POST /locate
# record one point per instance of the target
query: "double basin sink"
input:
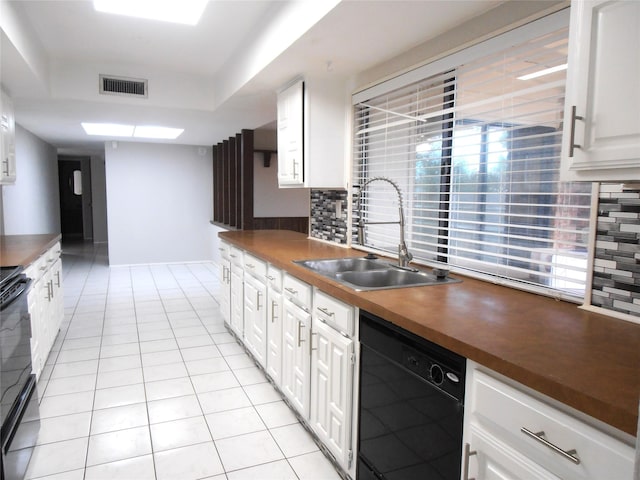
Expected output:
(364, 274)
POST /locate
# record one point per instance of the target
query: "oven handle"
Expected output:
(26, 284)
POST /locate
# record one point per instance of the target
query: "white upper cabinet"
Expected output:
(312, 121)
(7, 141)
(290, 136)
(602, 107)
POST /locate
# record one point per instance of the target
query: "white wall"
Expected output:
(159, 202)
(32, 204)
(268, 199)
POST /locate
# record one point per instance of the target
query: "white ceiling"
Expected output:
(199, 77)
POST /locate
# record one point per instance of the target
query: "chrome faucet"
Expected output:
(404, 257)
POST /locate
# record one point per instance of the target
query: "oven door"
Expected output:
(19, 405)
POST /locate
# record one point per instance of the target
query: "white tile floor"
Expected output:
(144, 382)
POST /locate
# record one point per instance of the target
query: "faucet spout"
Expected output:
(404, 256)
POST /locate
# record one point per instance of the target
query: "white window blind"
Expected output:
(476, 152)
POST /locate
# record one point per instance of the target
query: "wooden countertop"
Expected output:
(588, 361)
(24, 249)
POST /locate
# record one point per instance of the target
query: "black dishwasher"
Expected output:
(411, 405)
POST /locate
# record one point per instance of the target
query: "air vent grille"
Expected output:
(130, 87)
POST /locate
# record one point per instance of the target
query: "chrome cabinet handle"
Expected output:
(291, 291)
(295, 175)
(539, 436)
(224, 275)
(270, 278)
(274, 305)
(258, 300)
(311, 342)
(572, 133)
(467, 454)
(251, 265)
(325, 311)
(58, 278)
(300, 340)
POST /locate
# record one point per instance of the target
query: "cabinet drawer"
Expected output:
(236, 256)
(297, 291)
(225, 250)
(517, 418)
(333, 312)
(55, 251)
(255, 267)
(274, 278)
(52, 254)
(38, 268)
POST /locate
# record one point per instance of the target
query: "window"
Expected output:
(475, 149)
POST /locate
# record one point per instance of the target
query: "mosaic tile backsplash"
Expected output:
(616, 269)
(329, 215)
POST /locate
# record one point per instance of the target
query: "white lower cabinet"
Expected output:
(274, 325)
(236, 292)
(46, 305)
(224, 277)
(332, 365)
(255, 318)
(512, 433)
(305, 340)
(296, 361)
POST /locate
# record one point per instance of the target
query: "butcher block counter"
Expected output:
(588, 361)
(22, 250)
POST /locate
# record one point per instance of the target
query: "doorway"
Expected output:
(74, 175)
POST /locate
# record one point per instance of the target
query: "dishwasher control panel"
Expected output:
(435, 371)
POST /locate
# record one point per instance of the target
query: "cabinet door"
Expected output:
(332, 389)
(237, 300)
(603, 84)
(57, 303)
(487, 458)
(7, 140)
(224, 276)
(295, 356)
(45, 308)
(255, 318)
(274, 335)
(35, 303)
(290, 135)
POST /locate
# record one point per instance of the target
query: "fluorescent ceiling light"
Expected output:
(541, 73)
(187, 12)
(140, 131)
(108, 129)
(147, 131)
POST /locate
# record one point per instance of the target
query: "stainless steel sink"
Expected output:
(363, 274)
(332, 266)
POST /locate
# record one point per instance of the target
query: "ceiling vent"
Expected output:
(129, 87)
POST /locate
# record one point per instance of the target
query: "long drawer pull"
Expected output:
(270, 278)
(300, 340)
(258, 300)
(325, 311)
(539, 436)
(250, 265)
(274, 305)
(292, 291)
